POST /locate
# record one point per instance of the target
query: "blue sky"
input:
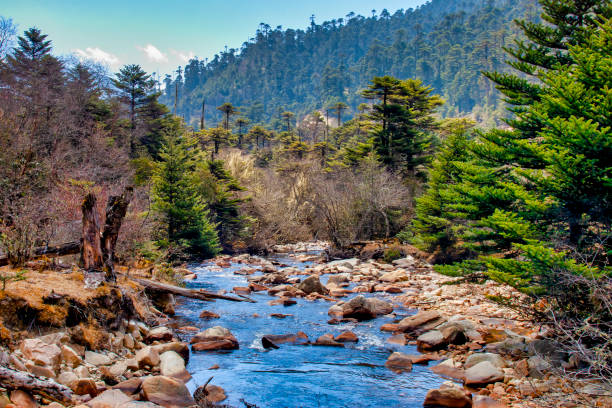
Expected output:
(160, 35)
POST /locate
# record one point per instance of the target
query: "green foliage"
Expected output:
(176, 200)
(165, 272)
(391, 254)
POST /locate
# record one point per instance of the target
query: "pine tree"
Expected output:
(181, 208)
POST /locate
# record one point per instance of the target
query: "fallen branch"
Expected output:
(68, 248)
(13, 380)
(200, 294)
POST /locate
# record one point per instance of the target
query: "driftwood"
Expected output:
(13, 379)
(190, 293)
(68, 248)
(115, 213)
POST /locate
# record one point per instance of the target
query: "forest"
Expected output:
(473, 135)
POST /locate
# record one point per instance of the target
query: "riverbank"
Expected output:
(490, 355)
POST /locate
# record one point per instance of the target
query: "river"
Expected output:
(297, 375)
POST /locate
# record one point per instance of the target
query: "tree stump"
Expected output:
(116, 209)
(91, 249)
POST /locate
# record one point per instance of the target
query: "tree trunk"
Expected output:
(200, 294)
(91, 250)
(115, 213)
(13, 380)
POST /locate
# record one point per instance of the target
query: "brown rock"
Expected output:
(241, 290)
(389, 327)
(40, 371)
(181, 348)
(312, 284)
(327, 340)
(22, 399)
(448, 396)
(206, 314)
(483, 401)
(129, 387)
(255, 287)
(167, 392)
(300, 338)
(399, 362)
(282, 301)
(109, 399)
(358, 308)
(215, 394)
(41, 353)
(421, 321)
(448, 371)
(70, 357)
(84, 386)
(482, 374)
(147, 356)
(279, 315)
(161, 333)
(173, 365)
(347, 337)
(214, 345)
(397, 339)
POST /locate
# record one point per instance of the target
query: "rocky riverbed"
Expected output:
(343, 333)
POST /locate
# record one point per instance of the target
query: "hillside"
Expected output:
(445, 43)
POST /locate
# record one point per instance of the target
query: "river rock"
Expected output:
(449, 368)
(267, 343)
(179, 347)
(380, 306)
(215, 394)
(129, 387)
(161, 333)
(338, 279)
(432, 340)
(406, 262)
(312, 284)
(214, 338)
(399, 362)
(147, 356)
(71, 357)
(448, 396)
(347, 337)
(85, 386)
(97, 359)
(109, 399)
(173, 365)
(299, 338)
(492, 358)
(206, 314)
(41, 353)
(395, 276)
(167, 392)
(359, 308)
(67, 378)
(422, 321)
(484, 401)
(241, 290)
(482, 374)
(327, 340)
(40, 371)
(22, 399)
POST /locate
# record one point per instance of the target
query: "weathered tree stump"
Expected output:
(91, 249)
(115, 213)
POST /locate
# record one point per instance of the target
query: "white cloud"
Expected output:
(153, 53)
(184, 56)
(97, 55)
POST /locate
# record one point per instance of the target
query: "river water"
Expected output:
(297, 375)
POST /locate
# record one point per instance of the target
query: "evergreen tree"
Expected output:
(181, 208)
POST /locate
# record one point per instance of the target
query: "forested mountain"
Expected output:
(445, 43)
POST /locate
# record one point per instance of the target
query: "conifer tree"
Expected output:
(181, 208)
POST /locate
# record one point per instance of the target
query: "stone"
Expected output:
(482, 374)
(347, 337)
(161, 333)
(206, 314)
(97, 359)
(241, 290)
(512, 346)
(118, 369)
(399, 362)
(338, 279)
(538, 366)
(215, 394)
(82, 371)
(214, 338)
(215, 345)
(67, 378)
(406, 262)
(450, 369)
(453, 333)
(380, 306)
(299, 338)
(398, 339)
(312, 284)
(283, 301)
(432, 340)
(129, 387)
(109, 399)
(40, 371)
(255, 287)
(85, 386)
(476, 358)
(267, 343)
(448, 396)
(41, 353)
(389, 327)
(70, 357)
(395, 276)
(359, 308)
(167, 392)
(181, 348)
(431, 318)
(173, 365)
(484, 401)
(22, 399)
(327, 340)
(147, 356)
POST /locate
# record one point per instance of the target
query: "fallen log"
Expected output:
(200, 294)
(69, 248)
(13, 380)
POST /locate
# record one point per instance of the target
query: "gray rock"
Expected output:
(482, 374)
(492, 358)
(97, 359)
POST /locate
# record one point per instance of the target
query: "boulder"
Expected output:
(70, 357)
(482, 374)
(484, 401)
(399, 362)
(215, 394)
(432, 340)
(40, 371)
(449, 397)
(206, 314)
(129, 387)
(109, 399)
(147, 356)
(41, 353)
(267, 343)
(173, 365)
(395, 276)
(67, 378)
(406, 262)
(312, 284)
(167, 392)
(215, 345)
(214, 338)
(97, 359)
(398, 339)
(299, 338)
(492, 358)
(85, 386)
(380, 306)
(422, 321)
(347, 337)
(22, 399)
(161, 333)
(538, 366)
(359, 308)
(327, 340)
(338, 279)
(450, 369)
(181, 348)
(118, 369)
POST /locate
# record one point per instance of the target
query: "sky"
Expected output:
(161, 35)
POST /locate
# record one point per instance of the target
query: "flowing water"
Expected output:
(297, 375)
